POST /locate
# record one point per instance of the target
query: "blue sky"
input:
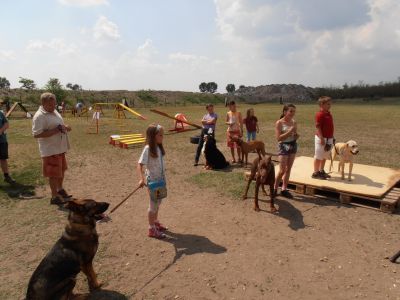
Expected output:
(176, 44)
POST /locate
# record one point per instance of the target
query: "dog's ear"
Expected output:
(72, 205)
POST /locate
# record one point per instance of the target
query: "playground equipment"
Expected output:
(181, 123)
(21, 107)
(371, 186)
(127, 140)
(119, 110)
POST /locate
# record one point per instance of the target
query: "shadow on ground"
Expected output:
(19, 191)
(186, 244)
(106, 295)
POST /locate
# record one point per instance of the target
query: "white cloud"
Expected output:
(6, 55)
(58, 45)
(104, 29)
(83, 3)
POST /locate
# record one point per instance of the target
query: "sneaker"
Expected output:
(160, 227)
(57, 200)
(9, 180)
(195, 164)
(155, 233)
(64, 194)
(317, 175)
(286, 194)
(324, 174)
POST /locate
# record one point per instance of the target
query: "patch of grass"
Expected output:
(147, 96)
(226, 183)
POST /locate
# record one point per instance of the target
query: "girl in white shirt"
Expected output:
(151, 168)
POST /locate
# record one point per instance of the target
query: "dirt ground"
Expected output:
(218, 247)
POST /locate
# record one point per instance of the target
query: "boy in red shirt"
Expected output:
(323, 137)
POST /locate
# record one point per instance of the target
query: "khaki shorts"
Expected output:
(320, 152)
(54, 166)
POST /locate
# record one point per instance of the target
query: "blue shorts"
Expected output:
(251, 135)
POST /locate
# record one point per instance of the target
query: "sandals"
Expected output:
(64, 194)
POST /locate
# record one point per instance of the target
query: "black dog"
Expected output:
(214, 158)
(55, 277)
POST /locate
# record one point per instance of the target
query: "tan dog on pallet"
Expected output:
(345, 151)
(248, 147)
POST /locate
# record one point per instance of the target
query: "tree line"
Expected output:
(362, 90)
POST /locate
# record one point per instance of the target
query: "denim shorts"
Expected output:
(287, 148)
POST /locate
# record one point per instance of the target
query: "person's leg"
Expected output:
(4, 166)
(248, 136)
(282, 167)
(54, 183)
(322, 165)
(239, 153)
(253, 135)
(286, 175)
(233, 154)
(199, 147)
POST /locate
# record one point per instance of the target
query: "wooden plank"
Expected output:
(369, 181)
(345, 198)
(310, 191)
(300, 188)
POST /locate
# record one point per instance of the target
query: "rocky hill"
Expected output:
(275, 92)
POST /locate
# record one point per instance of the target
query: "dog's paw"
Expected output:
(96, 286)
(274, 210)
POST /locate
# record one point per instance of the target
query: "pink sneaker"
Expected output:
(160, 227)
(155, 233)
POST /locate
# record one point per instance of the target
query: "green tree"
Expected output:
(54, 86)
(212, 87)
(74, 87)
(4, 83)
(242, 86)
(203, 87)
(230, 88)
(27, 83)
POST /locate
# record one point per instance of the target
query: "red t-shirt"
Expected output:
(324, 121)
(251, 123)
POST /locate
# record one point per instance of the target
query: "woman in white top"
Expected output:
(286, 135)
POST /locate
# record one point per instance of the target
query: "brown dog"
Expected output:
(248, 147)
(55, 277)
(263, 172)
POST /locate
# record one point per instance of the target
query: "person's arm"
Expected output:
(140, 171)
(258, 129)
(4, 128)
(318, 120)
(47, 133)
(241, 124)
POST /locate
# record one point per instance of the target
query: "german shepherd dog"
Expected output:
(263, 172)
(55, 277)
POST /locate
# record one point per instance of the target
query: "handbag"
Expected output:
(158, 188)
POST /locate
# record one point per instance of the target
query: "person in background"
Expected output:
(51, 133)
(235, 130)
(209, 121)
(251, 122)
(4, 148)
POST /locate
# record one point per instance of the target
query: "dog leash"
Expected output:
(106, 217)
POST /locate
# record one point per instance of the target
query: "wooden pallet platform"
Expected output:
(372, 187)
